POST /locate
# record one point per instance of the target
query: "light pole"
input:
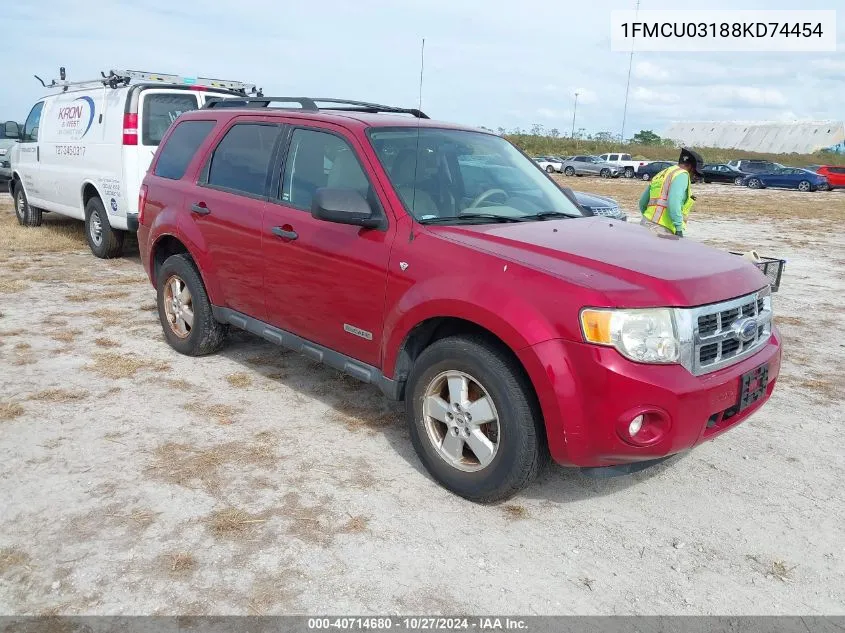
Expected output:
(574, 110)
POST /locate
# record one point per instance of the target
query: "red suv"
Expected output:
(835, 175)
(443, 265)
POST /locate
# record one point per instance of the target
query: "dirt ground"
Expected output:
(134, 480)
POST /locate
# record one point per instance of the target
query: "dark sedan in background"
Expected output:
(601, 205)
(723, 173)
(788, 178)
(647, 172)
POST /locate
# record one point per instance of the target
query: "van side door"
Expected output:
(28, 159)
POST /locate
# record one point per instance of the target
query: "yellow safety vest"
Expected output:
(658, 199)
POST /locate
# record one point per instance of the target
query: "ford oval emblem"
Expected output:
(745, 329)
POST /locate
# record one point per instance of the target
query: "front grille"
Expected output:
(718, 339)
(606, 211)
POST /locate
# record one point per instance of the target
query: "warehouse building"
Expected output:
(800, 137)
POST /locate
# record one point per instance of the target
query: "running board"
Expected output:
(355, 368)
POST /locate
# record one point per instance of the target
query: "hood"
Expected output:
(627, 263)
(592, 200)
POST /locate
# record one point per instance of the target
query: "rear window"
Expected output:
(176, 155)
(160, 111)
(836, 170)
(242, 158)
(626, 157)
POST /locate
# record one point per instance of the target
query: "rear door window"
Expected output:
(626, 157)
(241, 160)
(160, 110)
(176, 155)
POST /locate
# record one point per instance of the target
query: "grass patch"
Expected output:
(10, 410)
(240, 380)
(181, 562)
(8, 286)
(515, 512)
(364, 419)
(56, 235)
(109, 316)
(11, 558)
(355, 525)
(66, 336)
(269, 360)
(59, 395)
(233, 523)
(105, 342)
(111, 365)
(22, 346)
(223, 413)
(788, 320)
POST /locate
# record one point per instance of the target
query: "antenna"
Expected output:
(417, 151)
(628, 85)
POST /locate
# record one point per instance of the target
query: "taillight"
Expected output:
(198, 88)
(142, 201)
(130, 129)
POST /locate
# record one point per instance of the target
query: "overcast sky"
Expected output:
(488, 62)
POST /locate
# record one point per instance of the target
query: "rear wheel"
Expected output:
(25, 214)
(646, 176)
(629, 172)
(804, 185)
(755, 183)
(185, 310)
(473, 419)
(569, 171)
(104, 241)
(738, 181)
(550, 169)
(605, 173)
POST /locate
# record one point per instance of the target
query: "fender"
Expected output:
(84, 184)
(479, 302)
(182, 227)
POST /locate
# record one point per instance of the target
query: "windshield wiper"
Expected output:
(548, 215)
(471, 217)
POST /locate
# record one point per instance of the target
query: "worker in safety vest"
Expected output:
(666, 202)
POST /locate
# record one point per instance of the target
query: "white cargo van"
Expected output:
(84, 151)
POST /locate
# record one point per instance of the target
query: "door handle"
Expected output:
(200, 208)
(37, 153)
(288, 235)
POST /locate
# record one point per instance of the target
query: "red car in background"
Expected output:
(835, 175)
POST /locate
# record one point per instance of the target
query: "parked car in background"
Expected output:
(601, 205)
(723, 173)
(814, 168)
(9, 135)
(628, 167)
(787, 178)
(549, 163)
(835, 175)
(590, 166)
(647, 172)
(753, 166)
(85, 148)
(505, 316)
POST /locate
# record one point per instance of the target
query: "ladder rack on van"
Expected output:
(120, 78)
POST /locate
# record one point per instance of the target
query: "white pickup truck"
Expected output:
(626, 164)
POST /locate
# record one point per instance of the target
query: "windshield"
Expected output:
(455, 174)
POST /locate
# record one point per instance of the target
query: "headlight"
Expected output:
(2, 151)
(645, 336)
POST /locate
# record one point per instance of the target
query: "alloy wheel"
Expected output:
(178, 306)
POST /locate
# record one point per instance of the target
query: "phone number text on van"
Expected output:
(70, 150)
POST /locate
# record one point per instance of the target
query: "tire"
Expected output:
(203, 334)
(605, 173)
(569, 171)
(104, 241)
(517, 450)
(805, 186)
(550, 169)
(25, 214)
(755, 183)
(738, 181)
(646, 176)
(629, 172)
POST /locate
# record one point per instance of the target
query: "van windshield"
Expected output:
(447, 176)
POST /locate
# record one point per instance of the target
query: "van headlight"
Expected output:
(643, 335)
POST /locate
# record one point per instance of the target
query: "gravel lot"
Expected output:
(137, 481)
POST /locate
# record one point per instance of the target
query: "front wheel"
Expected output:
(569, 171)
(25, 214)
(646, 176)
(604, 173)
(104, 241)
(473, 419)
(185, 310)
(550, 169)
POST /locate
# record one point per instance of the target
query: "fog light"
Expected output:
(635, 426)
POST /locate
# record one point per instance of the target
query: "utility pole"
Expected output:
(628, 85)
(574, 110)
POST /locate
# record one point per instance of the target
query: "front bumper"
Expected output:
(589, 394)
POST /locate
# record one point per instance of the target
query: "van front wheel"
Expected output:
(104, 241)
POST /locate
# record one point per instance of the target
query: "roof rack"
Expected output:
(311, 104)
(120, 78)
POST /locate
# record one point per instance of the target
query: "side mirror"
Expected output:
(12, 130)
(343, 206)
